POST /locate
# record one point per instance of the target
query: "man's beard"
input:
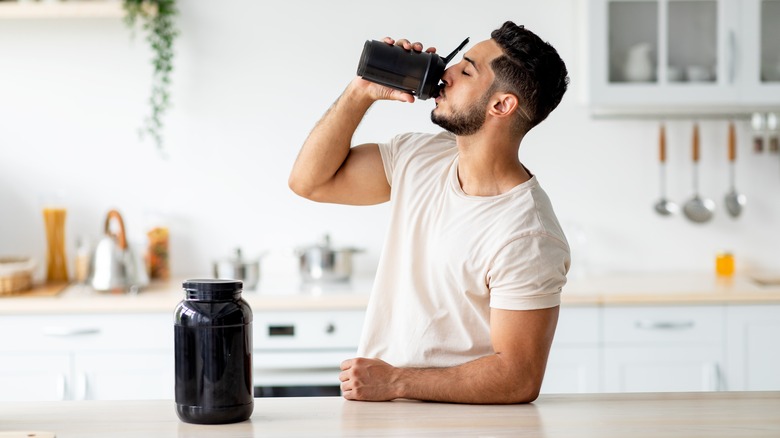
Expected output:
(466, 122)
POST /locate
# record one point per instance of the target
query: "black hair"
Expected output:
(532, 70)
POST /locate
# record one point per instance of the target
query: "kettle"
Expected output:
(114, 266)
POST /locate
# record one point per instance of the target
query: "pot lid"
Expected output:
(238, 258)
(325, 245)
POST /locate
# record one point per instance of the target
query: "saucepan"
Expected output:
(324, 263)
(238, 268)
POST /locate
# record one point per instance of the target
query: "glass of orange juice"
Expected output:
(724, 264)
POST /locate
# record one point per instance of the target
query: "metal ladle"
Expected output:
(698, 209)
(664, 207)
(735, 201)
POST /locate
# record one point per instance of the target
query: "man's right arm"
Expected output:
(327, 168)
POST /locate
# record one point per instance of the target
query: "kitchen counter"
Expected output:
(280, 294)
(716, 414)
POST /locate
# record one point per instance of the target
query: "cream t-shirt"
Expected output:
(449, 257)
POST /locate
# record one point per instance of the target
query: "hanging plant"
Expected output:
(157, 17)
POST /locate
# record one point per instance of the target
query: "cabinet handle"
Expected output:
(64, 332)
(82, 394)
(62, 386)
(733, 55)
(664, 325)
(712, 377)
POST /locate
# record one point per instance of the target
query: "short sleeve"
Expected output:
(529, 273)
(392, 153)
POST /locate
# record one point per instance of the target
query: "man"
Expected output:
(466, 295)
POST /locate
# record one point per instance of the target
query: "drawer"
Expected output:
(307, 330)
(87, 332)
(664, 324)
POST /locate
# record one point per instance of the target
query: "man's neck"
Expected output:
(489, 166)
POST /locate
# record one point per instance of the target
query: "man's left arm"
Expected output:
(513, 374)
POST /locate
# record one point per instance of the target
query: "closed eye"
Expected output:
(465, 74)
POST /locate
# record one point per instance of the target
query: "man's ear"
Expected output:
(504, 104)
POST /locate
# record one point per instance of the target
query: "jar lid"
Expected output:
(212, 289)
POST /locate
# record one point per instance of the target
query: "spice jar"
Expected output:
(213, 352)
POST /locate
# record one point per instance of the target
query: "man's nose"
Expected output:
(446, 76)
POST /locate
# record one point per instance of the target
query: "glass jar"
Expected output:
(213, 351)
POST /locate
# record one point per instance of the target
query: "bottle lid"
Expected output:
(212, 289)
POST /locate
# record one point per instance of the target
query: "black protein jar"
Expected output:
(213, 345)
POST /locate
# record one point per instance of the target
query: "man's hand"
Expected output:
(369, 380)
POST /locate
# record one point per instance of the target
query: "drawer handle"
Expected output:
(664, 325)
(64, 332)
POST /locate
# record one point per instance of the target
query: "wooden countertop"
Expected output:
(668, 415)
(291, 294)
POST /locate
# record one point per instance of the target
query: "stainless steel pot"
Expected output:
(238, 268)
(323, 263)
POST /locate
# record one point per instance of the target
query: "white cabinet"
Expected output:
(574, 362)
(34, 376)
(673, 56)
(753, 347)
(124, 375)
(664, 348)
(86, 357)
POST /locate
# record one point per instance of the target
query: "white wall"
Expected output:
(251, 80)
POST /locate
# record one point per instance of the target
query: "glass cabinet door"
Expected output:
(760, 54)
(770, 41)
(692, 42)
(632, 48)
(663, 41)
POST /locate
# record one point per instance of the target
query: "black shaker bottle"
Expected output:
(213, 348)
(416, 73)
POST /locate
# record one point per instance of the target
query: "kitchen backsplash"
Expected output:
(250, 81)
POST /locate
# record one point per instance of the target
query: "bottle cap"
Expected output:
(212, 289)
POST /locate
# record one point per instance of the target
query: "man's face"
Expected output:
(462, 105)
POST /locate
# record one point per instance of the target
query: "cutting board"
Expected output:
(41, 290)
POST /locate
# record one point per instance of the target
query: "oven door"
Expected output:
(298, 373)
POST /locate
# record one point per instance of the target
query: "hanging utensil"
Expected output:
(664, 207)
(698, 209)
(735, 201)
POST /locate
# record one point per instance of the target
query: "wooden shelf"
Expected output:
(61, 9)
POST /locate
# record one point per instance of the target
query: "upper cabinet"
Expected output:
(683, 56)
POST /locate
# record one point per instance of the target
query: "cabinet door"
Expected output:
(753, 347)
(573, 365)
(759, 52)
(34, 377)
(663, 369)
(124, 375)
(662, 55)
(572, 370)
(663, 348)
